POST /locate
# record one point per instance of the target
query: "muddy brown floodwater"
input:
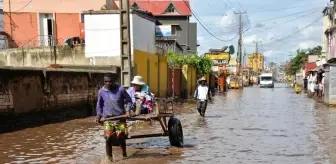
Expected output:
(250, 126)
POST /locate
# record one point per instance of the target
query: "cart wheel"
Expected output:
(175, 132)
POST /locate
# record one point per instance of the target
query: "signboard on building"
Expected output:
(163, 30)
(219, 59)
(220, 62)
(220, 56)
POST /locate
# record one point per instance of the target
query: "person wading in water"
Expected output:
(111, 103)
(202, 95)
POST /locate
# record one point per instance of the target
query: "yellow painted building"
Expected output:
(255, 61)
(153, 69)
(189, 81)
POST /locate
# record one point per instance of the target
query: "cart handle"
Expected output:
(113, 118)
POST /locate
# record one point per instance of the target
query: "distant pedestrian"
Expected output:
(322, 85)
(202, 95)
(305, 83)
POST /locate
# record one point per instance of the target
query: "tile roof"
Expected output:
(158, 7)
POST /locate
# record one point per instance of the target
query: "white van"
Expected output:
(266, 80)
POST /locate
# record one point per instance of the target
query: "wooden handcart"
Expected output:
(163, 109)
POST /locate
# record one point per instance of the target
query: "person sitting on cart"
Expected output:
(111, 103)
(202, 94)
(141, 91)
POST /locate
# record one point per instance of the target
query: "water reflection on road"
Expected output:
(250, 126)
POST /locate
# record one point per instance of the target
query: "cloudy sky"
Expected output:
(280, 26)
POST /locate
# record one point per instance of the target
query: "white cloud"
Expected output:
(268, 53)
(270, 36)
(250, 39)
(228, 20)
(307, 44)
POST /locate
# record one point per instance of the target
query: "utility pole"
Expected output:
(257, 55)
(125, 44)
(240, 43)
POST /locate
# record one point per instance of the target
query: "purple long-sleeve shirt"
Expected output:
(112, 103)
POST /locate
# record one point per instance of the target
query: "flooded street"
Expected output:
(250, 126)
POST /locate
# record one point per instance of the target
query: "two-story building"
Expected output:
(174, 15)
(46, 22)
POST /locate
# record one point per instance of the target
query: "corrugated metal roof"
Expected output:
(310, 66)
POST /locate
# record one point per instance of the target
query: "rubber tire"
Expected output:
(175, 132)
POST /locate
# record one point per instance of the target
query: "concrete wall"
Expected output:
(44, 56)
(329, 86)
(332, 46)
(326, 24)
(312, 58)
(30, 96)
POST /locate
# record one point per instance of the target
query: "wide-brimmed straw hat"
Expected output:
(202, 79)
(138, 80)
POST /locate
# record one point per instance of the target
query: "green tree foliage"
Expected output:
(201, 63)
(301, 59)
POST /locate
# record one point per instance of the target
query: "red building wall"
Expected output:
(24, 27)
(67, 25)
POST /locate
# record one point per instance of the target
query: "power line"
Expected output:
(312, 9)
(293, 14)
(290, 20)
(296, 31)
(205, 28)
(281, 9)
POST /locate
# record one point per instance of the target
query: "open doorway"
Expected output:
(50, 31)
(46, 29)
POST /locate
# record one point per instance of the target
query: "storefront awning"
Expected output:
(310, 67)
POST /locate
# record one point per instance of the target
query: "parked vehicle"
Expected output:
(266, 80)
